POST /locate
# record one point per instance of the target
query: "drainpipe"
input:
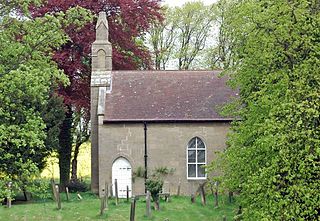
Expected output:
(145, 157)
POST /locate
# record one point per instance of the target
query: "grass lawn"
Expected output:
(179, 208)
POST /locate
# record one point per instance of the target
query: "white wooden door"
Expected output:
(121, 170)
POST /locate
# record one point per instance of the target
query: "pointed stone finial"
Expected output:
(102, 28)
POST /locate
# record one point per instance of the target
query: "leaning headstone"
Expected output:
(148, 204)
(133, 208)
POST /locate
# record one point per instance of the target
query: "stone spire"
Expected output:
(100, 85)
(101, 48)
(102, 28)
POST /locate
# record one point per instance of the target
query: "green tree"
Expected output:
(219, 55)
(27, 76)
(195, 22)
(162, 38)
(273, 154)
(182, 35)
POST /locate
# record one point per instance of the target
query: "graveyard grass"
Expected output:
(179, 208)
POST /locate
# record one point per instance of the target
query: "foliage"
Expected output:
(40, 189)
(154, 183)
(77, 186)
(273, 155)
(219, 55)
(27, 74)
(162, 37)
(183, 35)
(127, 21)
(139, 172)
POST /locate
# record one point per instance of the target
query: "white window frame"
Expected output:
(196, 163)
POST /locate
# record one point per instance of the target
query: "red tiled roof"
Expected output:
(166, 96)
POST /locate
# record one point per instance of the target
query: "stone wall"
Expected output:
(167, 144)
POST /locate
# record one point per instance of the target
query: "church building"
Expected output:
(143, 120)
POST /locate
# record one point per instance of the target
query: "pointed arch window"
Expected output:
(196, 159)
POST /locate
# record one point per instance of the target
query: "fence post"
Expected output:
(106, 196)
(102, 206)
(192, 198)
(116, 190)
(148, 204)
(9, 195)
(216, 201)
(230, 196)
(133, 208)
(203, 194)
(58, 196)
(127, 193)
(53, 186)
(111, 190)
(179, 187)
(67, 193)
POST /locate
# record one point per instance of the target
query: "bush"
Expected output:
(78, 186)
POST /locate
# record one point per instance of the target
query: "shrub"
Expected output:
(78, 186)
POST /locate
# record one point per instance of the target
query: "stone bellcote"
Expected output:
(101, 55)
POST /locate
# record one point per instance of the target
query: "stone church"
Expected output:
(142, 120)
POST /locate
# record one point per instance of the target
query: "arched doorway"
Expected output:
(121, 170)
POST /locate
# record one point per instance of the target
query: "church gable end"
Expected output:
(155, 119)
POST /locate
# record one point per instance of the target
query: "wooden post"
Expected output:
(116, 190)
(192, 198)
(67, 193)
(179, 187)
(167, 198)
(9, 202)
(58, 196)
(54, 193)
(106, 195)
(148, 204)
(102, 206)
(111, 190)
(133, 208)
(9, 197)
(238, 216)
(127, 193)
(216, 201)
(203, 194)
(79, 196)
(230, 196)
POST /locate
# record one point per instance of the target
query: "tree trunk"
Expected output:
(74, 163)
(65, 150)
